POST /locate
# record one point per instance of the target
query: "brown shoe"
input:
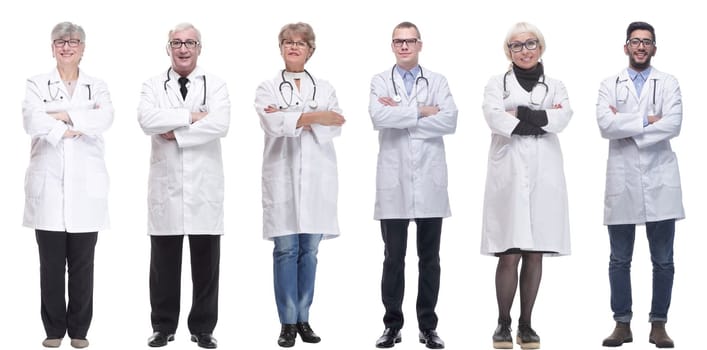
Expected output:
(621, 334)
(659, 337)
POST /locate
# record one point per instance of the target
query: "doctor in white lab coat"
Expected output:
(66, 112)
(186, 111)
(300, 116)
(525, 204)
(412, 108)
(639, 110)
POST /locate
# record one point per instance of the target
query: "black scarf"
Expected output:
(527, 78)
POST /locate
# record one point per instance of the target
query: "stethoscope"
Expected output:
(396, 95)
(203, 102)
(540, 83)
(624, 82)
(312, 103)
(55, 97)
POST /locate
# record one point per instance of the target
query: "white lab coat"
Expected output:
(186, 184)
(411, 180)
(642, 176)
(66, 184)
(525, 204)
(299, 174)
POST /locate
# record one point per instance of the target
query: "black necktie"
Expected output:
(183, 86)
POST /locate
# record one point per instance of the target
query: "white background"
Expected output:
(125, 46)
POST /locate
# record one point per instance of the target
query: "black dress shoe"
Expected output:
(430, 338)
(288, 333)
(527, 338)
(390, 337)
(306, 333)
(159, 339)
(204, 340)
(502, 338)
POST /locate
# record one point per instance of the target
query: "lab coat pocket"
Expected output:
(670, 173)
(439, 175)
(34, 184)
(387, 178)
(97, 185)
(277, 191)
(615, 178)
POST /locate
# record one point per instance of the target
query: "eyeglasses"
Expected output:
(636, 42)
(400, 42)
(62, 42)
(189, 44)
(517, 46)
(288, 44)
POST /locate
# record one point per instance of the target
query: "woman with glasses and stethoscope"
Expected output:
(525, 205)
(300, 116)
(66, 112)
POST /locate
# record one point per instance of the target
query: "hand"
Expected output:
(613, 109)
(557, 106)
(169, 135)
(426, 111)
(71, 133)
(62, 116)
(387, 101)
(270, 109)
(653, 118)
(196, 116)
(331, 118)
(512, 112)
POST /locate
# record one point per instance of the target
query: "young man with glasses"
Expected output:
(642, 178)
(412, 109)
(186, 112)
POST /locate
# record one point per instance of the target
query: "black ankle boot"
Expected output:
(288, 333)
(306, 333)
(502, 338)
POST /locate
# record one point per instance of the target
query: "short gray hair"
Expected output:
(66, 29)
(182, 27)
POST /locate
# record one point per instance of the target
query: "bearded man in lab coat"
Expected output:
(186, 112)
(412, 109)
(639, 111)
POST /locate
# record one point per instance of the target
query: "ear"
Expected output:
(626, 49)
(168, 51)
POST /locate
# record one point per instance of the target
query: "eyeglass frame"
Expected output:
(645, 42)
(521, 45)
(409, 42)
(185, 43)
(63, 42)
(289, 43)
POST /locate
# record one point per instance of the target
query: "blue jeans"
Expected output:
(294, 271)
(660, 240)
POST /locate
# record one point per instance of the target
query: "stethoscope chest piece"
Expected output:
(397, 98)
(313, 104)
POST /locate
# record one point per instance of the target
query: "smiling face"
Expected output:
(525, 58)
(184, 59)
(295, 52)
(640, 51)
(68, 50)
(406, 52)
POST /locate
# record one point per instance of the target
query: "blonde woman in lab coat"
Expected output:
(525, 204)
(300, 116)
(66, 112)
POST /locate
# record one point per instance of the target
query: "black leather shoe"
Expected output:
(502, 338)
(306, 333)
(204, 340)
(288, 333)
(390, 337)
(527, 338)
(430, 338)
(159, 339)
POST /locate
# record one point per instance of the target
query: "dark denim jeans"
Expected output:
(660, 240)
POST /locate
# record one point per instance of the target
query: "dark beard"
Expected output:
(639, 66)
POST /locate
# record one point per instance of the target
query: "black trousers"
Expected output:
(395, 233)
(165, 282)
(57, 250)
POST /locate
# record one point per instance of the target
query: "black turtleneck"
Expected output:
(531, 121)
